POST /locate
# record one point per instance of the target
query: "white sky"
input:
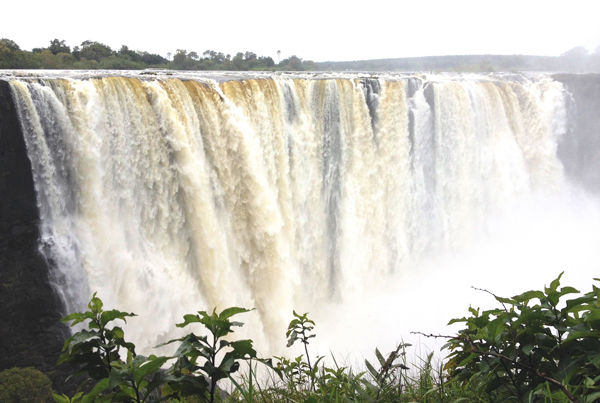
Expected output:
(316, 30)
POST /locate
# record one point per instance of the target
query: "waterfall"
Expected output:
(170, 195)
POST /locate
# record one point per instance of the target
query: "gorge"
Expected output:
(169, 193)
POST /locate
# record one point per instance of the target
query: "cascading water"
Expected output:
(169, 195)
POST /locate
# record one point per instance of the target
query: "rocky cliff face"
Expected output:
(31, 333)
(580, 148)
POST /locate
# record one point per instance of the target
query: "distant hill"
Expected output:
(468, 63)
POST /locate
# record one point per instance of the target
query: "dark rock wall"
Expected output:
(31, 333)
(579, 150)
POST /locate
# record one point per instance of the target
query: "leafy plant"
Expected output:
(298, 330)
(532, 352)
(197, 369)
(385, 377)
(97, 352)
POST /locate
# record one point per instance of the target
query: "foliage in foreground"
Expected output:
(522, 352)
(195, 370)
(533, 352)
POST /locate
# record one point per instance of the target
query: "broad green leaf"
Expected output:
(117, 377)
(151, 366)
(61, 398)
(581, 334)
(495, 329)
(83, 337)
(468, 359)
(229, 312)
(188, 319)
(457, 321)
(555, 283)
(113, 314)
(528, 296)
(576, 302)
(95, 304)
(76, 317)
(504, 300)
(568, 290)
(595, 360)
(96, 390)
(242, 349)
(118, 333)
(527, 348)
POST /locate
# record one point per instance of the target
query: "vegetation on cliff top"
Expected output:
(96, 55)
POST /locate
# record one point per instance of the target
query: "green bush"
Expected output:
(25, 385)
(533, 352)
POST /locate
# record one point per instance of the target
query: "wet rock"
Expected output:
(31, 333)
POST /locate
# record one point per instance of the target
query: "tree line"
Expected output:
(95, 55)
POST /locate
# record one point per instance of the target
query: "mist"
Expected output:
(525, 249)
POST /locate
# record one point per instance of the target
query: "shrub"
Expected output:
(533, 352)
(25, 385)
(195, 372)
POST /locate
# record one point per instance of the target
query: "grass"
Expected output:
(423, 381)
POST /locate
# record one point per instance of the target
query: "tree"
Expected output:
(266, 61)
(180, 56)
(152, 58)
(295, 63)
(49, 60)
(57, 46)
(9, 44)
(129, 54)
(180, 60)
(65, 61)
(309, 65)
(12, 57)
(91, 50)
(238, 61)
